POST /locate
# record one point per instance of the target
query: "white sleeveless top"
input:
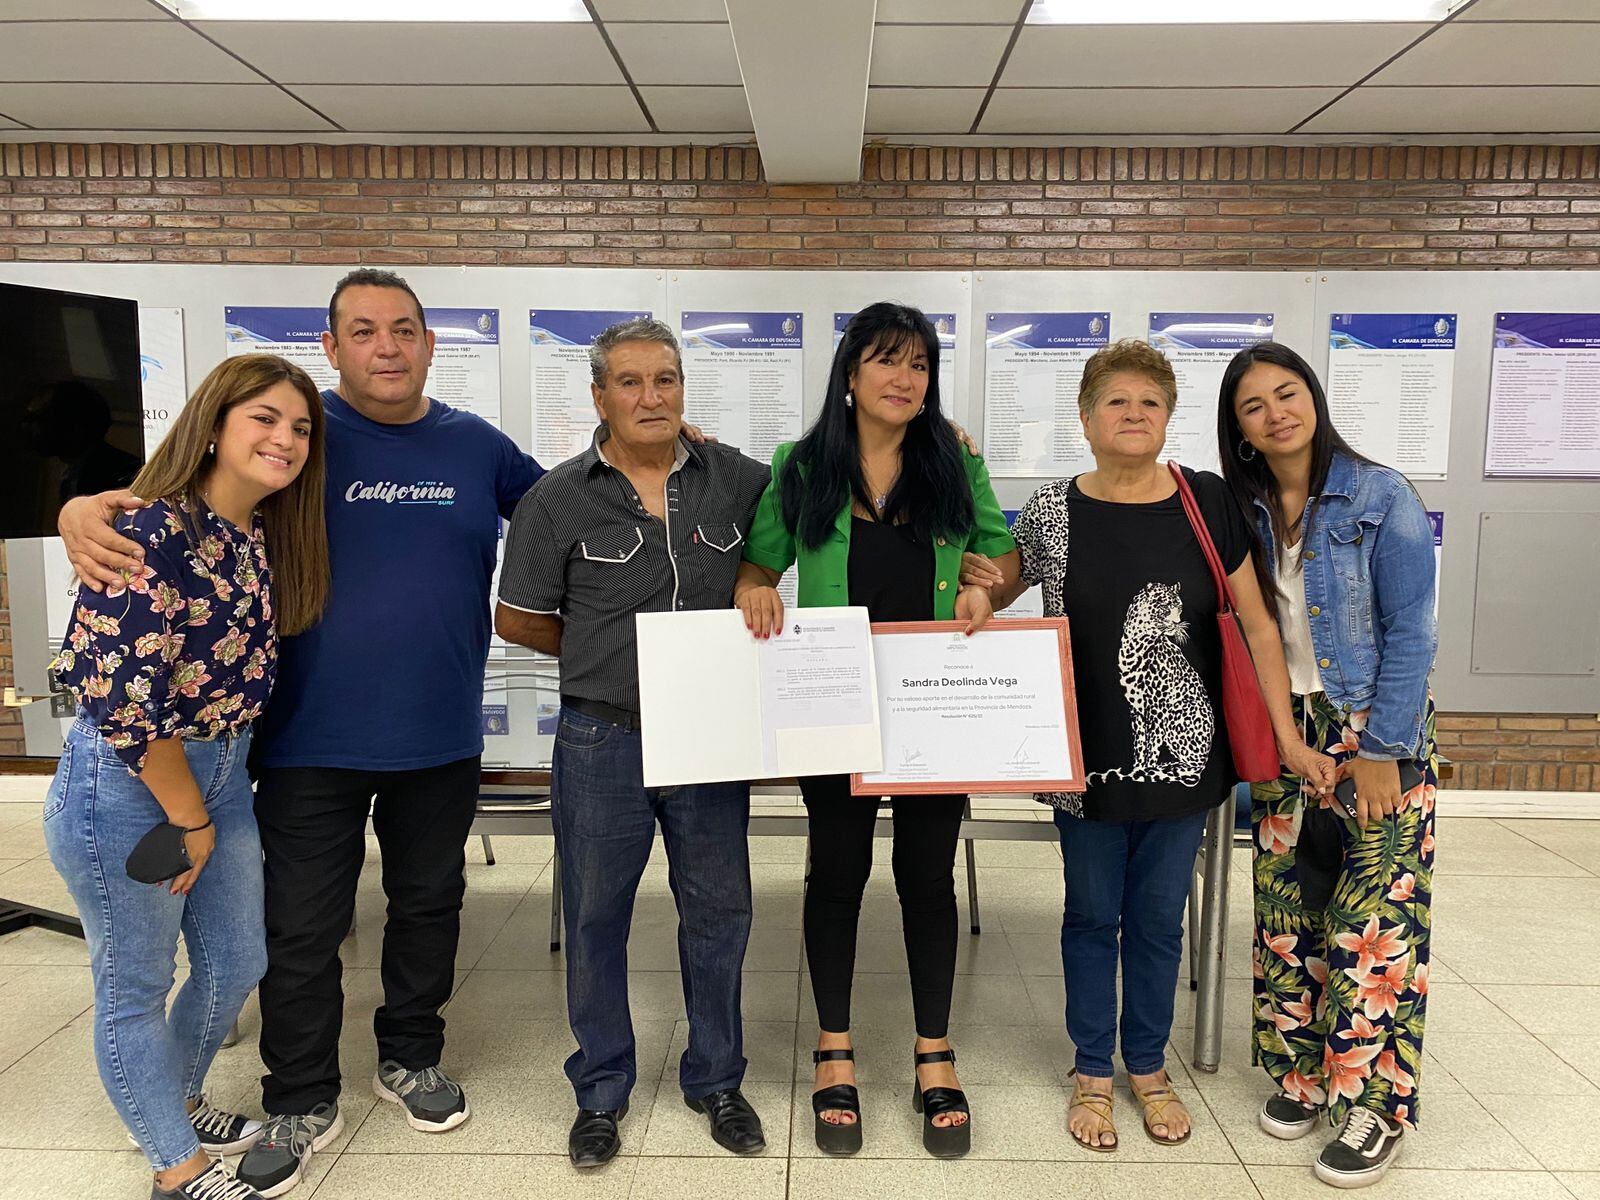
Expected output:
(1304, 678)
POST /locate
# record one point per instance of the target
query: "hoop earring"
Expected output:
(1244, 445)
(849, 399)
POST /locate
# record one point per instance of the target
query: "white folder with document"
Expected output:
(717, 704)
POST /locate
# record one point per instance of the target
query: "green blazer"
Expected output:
(824, 572)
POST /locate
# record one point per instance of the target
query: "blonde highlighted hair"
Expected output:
(297, 536)
(1130, 356)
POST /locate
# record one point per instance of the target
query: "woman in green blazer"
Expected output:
(878, 503)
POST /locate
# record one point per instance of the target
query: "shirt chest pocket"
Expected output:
(1350, 545)
(717, 551)
(720, 539)
(615, 563)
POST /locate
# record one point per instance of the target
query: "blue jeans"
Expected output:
(1127, 881)
(152, 1062)
(605, 821)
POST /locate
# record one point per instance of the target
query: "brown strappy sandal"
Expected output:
(1156, 1102)
(1100, 1105)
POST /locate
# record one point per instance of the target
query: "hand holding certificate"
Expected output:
(993, 712)
(905, 708)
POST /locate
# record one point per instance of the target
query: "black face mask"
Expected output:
(1319, 851)
(160, 855)
(1318, 857)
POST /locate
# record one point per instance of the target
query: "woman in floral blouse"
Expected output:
(169, 666)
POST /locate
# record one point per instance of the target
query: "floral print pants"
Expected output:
(1341, 993)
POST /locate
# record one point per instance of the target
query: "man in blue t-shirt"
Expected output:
(377, 705)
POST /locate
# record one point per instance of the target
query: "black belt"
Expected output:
(623, 718)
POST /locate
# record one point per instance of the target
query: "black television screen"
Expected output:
(71, 421)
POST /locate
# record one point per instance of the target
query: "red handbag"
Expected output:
(1250, 737)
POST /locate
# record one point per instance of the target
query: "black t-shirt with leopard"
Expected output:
(1146, 655)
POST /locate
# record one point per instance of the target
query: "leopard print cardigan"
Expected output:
(1041, 536)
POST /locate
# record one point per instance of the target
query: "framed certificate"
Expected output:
(994, 712)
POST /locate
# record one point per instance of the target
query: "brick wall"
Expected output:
(1350, 206)
(1523, 752)
(1205, 208)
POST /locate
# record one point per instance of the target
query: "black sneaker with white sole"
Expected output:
(220, 1131)
(280, 1156)
(1287, 1118)
(1364, 1150)
(214, 1183)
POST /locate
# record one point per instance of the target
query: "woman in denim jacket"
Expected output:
(1342, 902)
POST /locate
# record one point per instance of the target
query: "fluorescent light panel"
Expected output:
(381, 11)
(1234, 12)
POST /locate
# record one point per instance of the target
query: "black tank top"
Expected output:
(891, 571)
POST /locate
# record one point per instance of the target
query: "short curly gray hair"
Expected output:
(639, 329)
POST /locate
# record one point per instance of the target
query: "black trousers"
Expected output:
(926, 829)
(313, 838)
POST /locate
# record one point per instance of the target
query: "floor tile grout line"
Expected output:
(1493, 1116)
(1501, 821)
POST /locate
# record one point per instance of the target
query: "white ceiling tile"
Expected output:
(661, 10)
(1549, 53)
(445, 109)
(951, 55)
(83, 10)
(113, 52)
(961, 12)
(699, 109)
(1111, 111)
(1529, 110)
(677, 53)
(922, 110)
(419, 51)
(156, 106)
(1531, 10)
(1201, 55)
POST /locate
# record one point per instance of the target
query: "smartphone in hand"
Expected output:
(1345, 791)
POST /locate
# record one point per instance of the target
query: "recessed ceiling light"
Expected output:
(1235, 12)
(385, 11)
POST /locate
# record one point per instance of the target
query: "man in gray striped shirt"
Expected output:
(642, 521)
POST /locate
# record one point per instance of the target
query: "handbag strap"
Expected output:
(1197, 522)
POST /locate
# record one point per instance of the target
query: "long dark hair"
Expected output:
(1250, 479)
(297, 536)
(931, 495)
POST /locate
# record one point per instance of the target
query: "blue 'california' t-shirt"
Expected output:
(392, 676)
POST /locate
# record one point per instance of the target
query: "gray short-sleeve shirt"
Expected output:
(581, 545)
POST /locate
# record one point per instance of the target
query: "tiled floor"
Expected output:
(1512, 1073)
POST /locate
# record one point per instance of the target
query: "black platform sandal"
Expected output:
(941, 1141)
(837, 1137)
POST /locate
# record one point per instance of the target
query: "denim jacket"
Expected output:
(1369, 573)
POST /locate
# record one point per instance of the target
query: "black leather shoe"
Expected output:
(734, 1124)
(594, 1140)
